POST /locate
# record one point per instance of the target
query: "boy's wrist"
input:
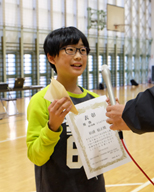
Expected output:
(55, 130)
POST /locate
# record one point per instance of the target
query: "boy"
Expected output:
(50, 144)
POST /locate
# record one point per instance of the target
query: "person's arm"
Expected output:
(41, 139)
(139, 112)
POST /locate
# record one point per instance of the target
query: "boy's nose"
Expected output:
(77, 54)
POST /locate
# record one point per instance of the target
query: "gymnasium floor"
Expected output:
(17, 172)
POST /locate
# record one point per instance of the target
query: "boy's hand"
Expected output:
(58, 109)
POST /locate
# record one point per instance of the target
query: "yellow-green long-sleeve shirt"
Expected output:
(57, 165)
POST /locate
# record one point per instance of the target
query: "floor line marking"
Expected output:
(125, 184)
(12, 139)
(142, 186)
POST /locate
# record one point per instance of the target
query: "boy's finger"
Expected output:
(64, 113)
(60, 102)
(65, 106)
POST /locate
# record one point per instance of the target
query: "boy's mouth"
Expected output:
(76, 65)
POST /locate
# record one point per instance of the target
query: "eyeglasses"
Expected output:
(73, 50)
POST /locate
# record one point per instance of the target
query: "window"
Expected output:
(109, 62)
(90, 81)
(11, 72)
(118, 71)
(27, 64)
(80, 80)
(10, 64)
(90, 64)
(43, 68)
(100, 68)
(28, 73)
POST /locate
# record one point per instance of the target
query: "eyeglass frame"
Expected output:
(87, 49)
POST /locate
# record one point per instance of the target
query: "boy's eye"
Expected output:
(70, 49)
(83, 50)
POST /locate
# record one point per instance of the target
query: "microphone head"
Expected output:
(105, 72)
(105, 67)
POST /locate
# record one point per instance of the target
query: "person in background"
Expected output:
(137, 115)
(50, 143)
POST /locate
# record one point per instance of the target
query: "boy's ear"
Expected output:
(51, 59)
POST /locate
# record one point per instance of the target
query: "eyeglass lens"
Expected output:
(73, 50)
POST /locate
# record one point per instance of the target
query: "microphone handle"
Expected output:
(110, 92)
(113, 102)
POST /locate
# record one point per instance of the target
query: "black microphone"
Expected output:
(107, 78)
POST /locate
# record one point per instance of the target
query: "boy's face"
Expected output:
(70, 65)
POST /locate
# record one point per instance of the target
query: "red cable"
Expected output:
(136, 162)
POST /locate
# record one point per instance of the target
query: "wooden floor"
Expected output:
(17, 172)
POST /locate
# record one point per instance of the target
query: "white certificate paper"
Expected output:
(99, 148)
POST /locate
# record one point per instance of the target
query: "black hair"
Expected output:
(59, 38)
